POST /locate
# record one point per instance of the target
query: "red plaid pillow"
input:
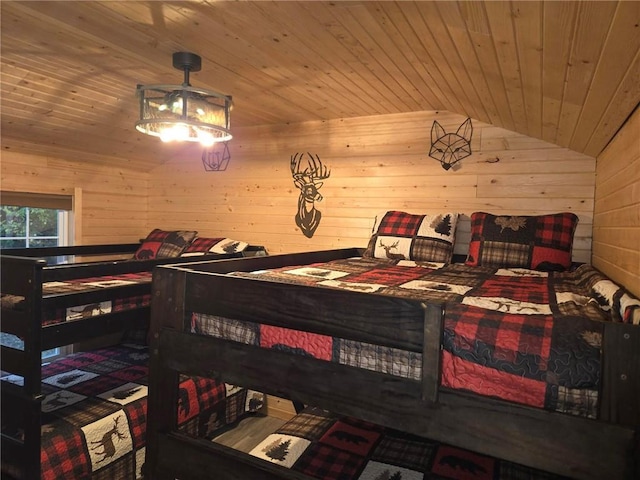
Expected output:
(541, 242)
(202, 245)
(421, 238)
(164, 244)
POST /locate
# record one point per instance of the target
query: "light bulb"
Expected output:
(177, 106)
(181, 132)
(166, 135)
(205, 138)
(178, 132)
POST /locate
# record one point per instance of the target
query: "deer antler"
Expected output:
(314, 170)
(389, 254)
(318, 171)
(295, 165)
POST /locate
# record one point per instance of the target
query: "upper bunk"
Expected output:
(56, 296)
(227, 318)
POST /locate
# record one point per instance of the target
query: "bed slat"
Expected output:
(13, 360)
(211, 460)
(379, 319)
(102, 295)
(72, 332)
(275, 372)
(14, 322)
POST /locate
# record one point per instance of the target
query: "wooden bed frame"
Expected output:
(560, 443)
(23, 272)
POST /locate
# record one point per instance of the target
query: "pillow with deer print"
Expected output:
(421, 238)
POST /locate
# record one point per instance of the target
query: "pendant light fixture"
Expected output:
(182, 112)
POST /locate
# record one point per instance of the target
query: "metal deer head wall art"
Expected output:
(216, 157)
(308, 174)
(450, 148)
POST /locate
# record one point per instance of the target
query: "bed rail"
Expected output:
(72, 250)
(54, 271)
(559, 443)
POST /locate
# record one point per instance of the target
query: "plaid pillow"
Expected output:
(202, 245)
(164, 244)
(542, 242)
(421, 238)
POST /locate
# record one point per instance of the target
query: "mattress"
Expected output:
(330, 447)
(523, 336)
(118, 303)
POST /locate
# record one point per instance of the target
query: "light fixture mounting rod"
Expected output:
(188, 62)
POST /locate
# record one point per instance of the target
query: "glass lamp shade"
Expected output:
(184, 113)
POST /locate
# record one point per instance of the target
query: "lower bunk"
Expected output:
(326, 446)
(94, 414)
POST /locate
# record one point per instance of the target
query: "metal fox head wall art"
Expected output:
(450, 148)
(216, 157)
(307, 177)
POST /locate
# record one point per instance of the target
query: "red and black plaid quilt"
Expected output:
(80, 285)
(330, 447)
(117, 304)
(95, 411)
(520, 335)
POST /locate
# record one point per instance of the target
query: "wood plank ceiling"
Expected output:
(567, 72)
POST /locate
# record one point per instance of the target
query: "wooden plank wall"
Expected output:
(113, 200)
(616, 223)
(377, 163)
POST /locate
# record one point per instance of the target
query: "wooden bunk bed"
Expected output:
(566, 444)
(57, 296)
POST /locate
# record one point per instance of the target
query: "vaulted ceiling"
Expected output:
(567, 72)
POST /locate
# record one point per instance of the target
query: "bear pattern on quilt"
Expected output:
(331, 447)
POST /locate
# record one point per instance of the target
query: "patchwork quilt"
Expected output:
(77, 312)
(95, 410)
(330, 447)
(515, 334)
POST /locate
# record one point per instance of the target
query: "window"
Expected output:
(34, 220)
(24, 227)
